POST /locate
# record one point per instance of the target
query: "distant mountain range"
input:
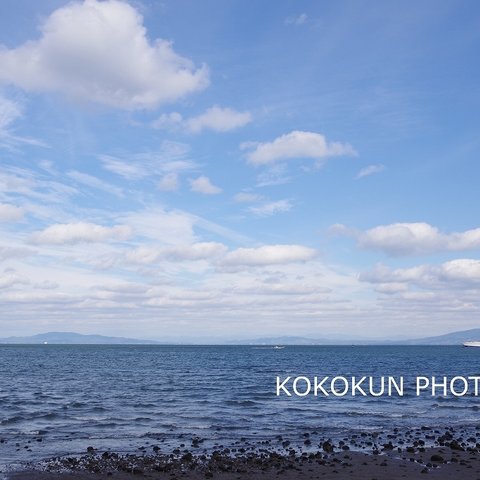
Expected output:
(454, 338)
(70, 338)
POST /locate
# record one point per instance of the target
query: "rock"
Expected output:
(328, 447)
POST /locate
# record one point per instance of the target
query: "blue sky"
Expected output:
(216, 170)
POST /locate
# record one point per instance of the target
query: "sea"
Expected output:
(58, 400)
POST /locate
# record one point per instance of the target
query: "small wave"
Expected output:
(241, 403)
(11, 420)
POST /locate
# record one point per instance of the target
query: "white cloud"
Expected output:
(168, 121)
(95, 182)
(297, 20)
(179, 253)
(218, 119)
(171, 157)
(416, 239)
(273, 175)
(15, 252)
(81, 232)
(271, 208)
(169, 182)
(459, 273)
(99, 51)
(246, 197)
(10, 213)
(9, 112)
(269, 255)
(155, 223)
(296, 144)
(203, 185)
(10, 278)
(127, 170)
(463, 270)
(370, 170)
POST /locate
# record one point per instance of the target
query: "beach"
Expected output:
(353, 465)
(420, 453)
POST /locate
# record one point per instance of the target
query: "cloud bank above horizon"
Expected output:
(168, 171)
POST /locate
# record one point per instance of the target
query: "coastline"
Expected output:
(341, 465)
(423, 453)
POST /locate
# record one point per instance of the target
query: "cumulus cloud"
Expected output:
(203, 185)
(399, 239)
(458, 273)
(168, 121)
(81, 232)
(269, 255)
(296, 144)
(370, 170)
(218, 119)
(10, 213)
(271, 208)
(99, 51)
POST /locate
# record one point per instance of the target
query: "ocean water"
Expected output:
(58, 400)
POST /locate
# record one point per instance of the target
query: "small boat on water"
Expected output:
(278, 347)
(471, 344)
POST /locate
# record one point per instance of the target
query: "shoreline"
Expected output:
(415, 454)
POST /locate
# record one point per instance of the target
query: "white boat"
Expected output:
(278, 347)
(471, 344)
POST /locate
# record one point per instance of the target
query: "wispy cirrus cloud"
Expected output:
(370, 170)
(10, 112)
(94, 182)
(247, 197)
(297, 20)
(269, 255)
(171, 157)
(271, 208)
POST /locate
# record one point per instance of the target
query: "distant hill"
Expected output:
(291, 340)
(454, 338)
(70, 338)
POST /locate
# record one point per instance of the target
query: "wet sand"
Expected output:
(415, 454)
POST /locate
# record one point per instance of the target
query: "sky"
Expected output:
(217, 170)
